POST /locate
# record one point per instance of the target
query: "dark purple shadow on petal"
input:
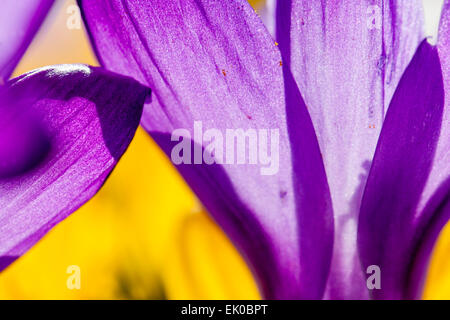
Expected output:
(312, 196)
(6, 261)
(243, 229)
(438, 207)
(314, 207)
(401, 165)
(24, 142)
(283, 27)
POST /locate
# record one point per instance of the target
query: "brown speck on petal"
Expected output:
(224, 72)
(280, 63)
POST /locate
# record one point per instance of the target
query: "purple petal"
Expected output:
(347, 58)
(214, 61)
(85, 117)
(389, 223)
(434, 205)
(19, 21)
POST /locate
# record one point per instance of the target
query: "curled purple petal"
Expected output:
(19, 22)
(215, 62)
(89, 117)
(389, 223)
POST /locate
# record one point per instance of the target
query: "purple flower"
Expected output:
(358, 97)
(62, 130)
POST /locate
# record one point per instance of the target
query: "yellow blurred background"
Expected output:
(144, 235)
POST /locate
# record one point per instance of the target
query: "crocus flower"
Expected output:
(363, 176)
(363, 130)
